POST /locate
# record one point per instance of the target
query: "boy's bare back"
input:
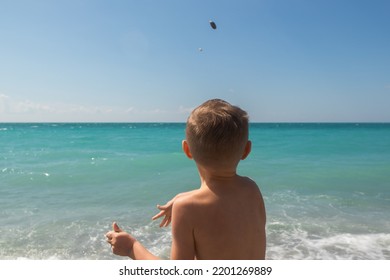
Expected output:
(224, 219)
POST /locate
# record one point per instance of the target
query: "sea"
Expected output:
(326, 187)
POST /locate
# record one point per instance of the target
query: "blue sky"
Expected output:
(139, 60)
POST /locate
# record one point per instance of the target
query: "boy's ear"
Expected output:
(247, 150)
(186, 149)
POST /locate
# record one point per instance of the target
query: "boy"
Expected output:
(225, 217)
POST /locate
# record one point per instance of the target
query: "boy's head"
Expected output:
(217, 133)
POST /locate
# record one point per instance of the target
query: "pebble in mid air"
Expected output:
(212, 24)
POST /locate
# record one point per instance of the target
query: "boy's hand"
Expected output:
(165, 210)
(121, 242)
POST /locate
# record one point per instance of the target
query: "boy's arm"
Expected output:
(183, 242)
(263, 233)
(139, 252)
(123, 244)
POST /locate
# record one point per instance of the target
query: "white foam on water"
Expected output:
(75, 240)
(298, 244)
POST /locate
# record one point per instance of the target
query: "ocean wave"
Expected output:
(75, 240)
(345, 246)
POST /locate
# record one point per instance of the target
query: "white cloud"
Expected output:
(185, 110)
(27, 110)
(130, 110)
(4, 99)
(15, 110)
(27, 106)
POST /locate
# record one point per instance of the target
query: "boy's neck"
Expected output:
(210, 174)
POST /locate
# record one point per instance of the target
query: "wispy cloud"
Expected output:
(4, 99)
(27, 110)
(185, 110)
(27, 106)
(14, 110)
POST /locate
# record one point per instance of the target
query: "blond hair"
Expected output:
(217, 131)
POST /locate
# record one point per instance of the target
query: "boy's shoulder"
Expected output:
(200, 197)
(243, 183)
(247, 181)
(190, 198)
(186, 207)
(193, 202)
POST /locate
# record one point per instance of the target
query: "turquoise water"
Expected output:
(326, 187)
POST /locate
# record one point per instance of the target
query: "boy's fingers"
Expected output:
(162, 207)
(115, 227)
(158, 215)
(109, 237)
(166, 221)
